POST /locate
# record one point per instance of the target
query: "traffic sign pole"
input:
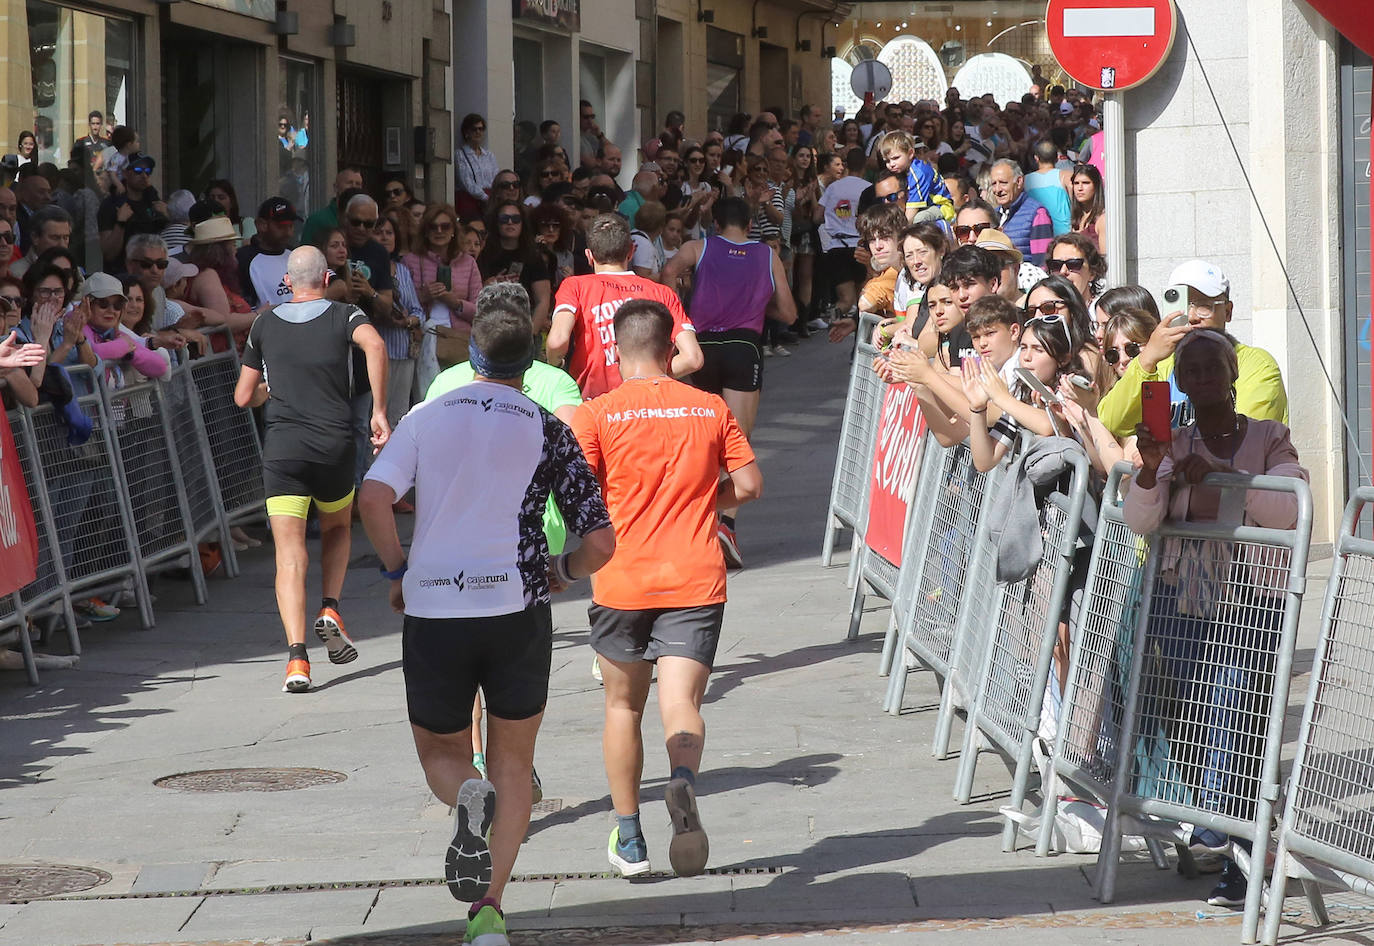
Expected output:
(1112, 46)
(1114, 164)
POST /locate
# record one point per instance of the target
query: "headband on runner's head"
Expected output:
(499, 370)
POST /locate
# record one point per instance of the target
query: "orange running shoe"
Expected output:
(329, 628)
(297, 676)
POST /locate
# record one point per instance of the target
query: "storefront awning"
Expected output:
(1351, 18)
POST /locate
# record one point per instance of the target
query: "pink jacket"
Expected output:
(466, 280)
(143, 359)
(1267, 449)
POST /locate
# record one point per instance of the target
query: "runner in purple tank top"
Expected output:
(735, 281)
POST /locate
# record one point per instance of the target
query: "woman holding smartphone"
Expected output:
(1217, 610)
(510, 255)
(446, 281)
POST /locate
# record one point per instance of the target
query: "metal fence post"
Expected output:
(1327, 834)
(854, 456)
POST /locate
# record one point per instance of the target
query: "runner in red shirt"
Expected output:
(657, 446)
(585, 308)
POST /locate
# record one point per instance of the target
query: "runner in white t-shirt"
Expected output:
(483, 459)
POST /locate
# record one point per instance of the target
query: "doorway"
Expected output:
(213, 125)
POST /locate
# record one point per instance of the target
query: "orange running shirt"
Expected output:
(657, 446)
(593, 301)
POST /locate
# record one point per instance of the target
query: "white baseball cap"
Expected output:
(1207, 278)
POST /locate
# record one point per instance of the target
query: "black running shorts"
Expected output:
(445, 660)
(841, 267)
(627, 636)
(731, 359)
(329, 483)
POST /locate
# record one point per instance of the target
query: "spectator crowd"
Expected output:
(973, 229)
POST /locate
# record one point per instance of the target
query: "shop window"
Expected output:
(724, 63)
(300, 162)
(79, 62)
(916, 70)
(1006, 78)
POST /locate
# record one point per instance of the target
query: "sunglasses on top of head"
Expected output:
(1050, 318)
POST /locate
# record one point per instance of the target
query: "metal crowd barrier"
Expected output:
(232, 434)
(1327, 834)
(937, 603)
(156, 488)
(1019, 656)
(49, 587)
(1207, 687)
(1088, 733)
(139, 495)
(89, 497)
(915, 540)
(854, 460)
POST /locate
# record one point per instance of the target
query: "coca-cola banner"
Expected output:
(18, 537)
(895, 465)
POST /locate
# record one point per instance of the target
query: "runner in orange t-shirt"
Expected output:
(657, 446)
(585, 308)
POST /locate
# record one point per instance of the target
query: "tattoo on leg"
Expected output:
(685, 740)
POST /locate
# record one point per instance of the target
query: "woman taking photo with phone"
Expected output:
(446, 281)
(1216, 612)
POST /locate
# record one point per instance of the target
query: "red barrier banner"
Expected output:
(895, 465)
(18, 535)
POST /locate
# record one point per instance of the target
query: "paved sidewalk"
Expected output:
(827, 817)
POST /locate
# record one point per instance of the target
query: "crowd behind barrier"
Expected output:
(1176, 684)
(168, 466)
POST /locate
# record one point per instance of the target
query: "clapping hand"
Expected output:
(16, 355)
(971, 375)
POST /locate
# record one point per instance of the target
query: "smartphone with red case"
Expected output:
(1155, 409)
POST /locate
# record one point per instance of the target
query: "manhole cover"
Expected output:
(249, 780)
(19, 882)
(547, 807)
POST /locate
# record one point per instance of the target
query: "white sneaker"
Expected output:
(818, 325)
(780, 350)
(596, 667)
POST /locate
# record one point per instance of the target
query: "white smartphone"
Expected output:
(1036, 385)
(1174, 311)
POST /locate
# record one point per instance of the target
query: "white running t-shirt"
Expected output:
(484, 459)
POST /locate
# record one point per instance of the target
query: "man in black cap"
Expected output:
(138, 210)
(262, 263)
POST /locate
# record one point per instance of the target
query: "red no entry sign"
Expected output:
(1110, 44)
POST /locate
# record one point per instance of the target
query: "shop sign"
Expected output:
(563, 13)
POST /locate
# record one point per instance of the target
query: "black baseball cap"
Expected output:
(278, 209)
(141, 160)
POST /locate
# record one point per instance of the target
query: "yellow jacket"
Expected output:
(1259, 391)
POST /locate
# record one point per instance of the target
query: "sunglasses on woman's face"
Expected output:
(1126, 351)
(508, 218)
(1074, 265)
(394, 191)
(965, 233)
(1047, 309)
